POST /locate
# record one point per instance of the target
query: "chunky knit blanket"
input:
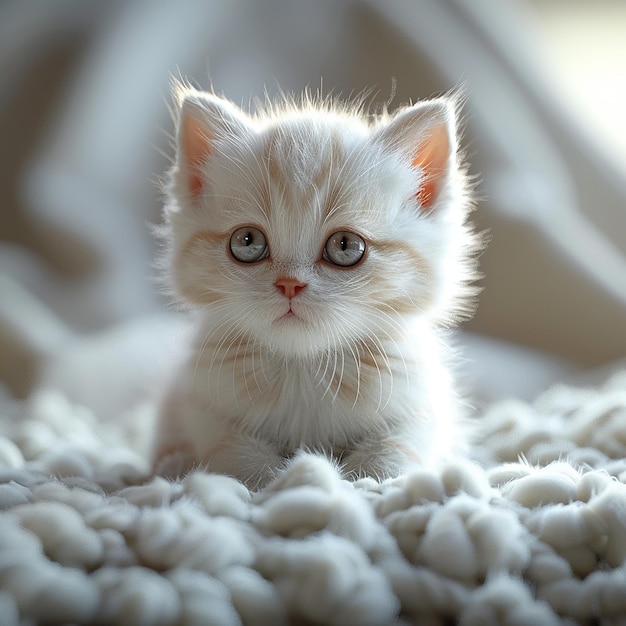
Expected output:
(530, 530)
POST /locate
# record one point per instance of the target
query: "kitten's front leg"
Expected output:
(380, 459)
(191, 436)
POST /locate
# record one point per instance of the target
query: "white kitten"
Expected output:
(320, 251)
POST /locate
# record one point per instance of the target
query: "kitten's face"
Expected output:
(303, 234)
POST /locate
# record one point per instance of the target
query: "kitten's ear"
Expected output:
(204, 120)
(425, 135)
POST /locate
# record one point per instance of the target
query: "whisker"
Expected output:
(357, 363)
(332, 374)
(341, 372)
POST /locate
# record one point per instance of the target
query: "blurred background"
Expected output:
(84, 124)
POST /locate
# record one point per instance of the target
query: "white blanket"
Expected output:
(532, 531)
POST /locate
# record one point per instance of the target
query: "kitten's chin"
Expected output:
(293, 335)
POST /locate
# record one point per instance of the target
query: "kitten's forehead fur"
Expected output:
(295, 120)
(284, 105)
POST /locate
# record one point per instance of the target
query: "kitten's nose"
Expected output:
(289, 287)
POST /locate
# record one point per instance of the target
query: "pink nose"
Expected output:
(289, 287)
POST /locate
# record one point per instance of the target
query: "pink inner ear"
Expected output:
(431, 157)
(195, 147)
(195, 185)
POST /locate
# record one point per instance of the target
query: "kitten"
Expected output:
(321, 252)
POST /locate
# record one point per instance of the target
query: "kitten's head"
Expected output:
(307, 228)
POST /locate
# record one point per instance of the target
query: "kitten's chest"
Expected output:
(293, 402)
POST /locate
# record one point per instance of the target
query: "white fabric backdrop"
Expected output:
(82, 152)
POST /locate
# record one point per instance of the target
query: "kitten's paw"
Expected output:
(380, 460)
(175, 463)
(253, 461)
(306, 468)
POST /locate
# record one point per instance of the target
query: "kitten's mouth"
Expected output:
(290, 315)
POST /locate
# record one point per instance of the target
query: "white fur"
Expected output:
(361, 374)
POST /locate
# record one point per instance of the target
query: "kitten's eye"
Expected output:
(344, 249)
(248, 245)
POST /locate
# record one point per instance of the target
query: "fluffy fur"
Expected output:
(293, 351)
